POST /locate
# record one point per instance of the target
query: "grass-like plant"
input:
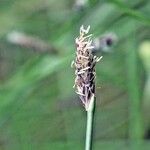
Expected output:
(85, 73)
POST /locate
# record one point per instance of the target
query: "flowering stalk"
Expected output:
(85, 77)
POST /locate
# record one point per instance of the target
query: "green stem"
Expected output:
(135, 124)
(89, 128)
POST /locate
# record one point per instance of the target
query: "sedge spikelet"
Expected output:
(84, 65)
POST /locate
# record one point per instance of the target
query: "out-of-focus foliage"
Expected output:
(39, 109)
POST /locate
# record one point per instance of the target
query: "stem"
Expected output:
(89, 128)
(135, 125)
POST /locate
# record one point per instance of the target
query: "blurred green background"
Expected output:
(39, 109)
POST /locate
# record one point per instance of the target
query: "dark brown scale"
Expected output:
(89, 95)
(89, 70)
(90, 84)
(93, 88)
(83, 89)
(89, 63)
(92, 67)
